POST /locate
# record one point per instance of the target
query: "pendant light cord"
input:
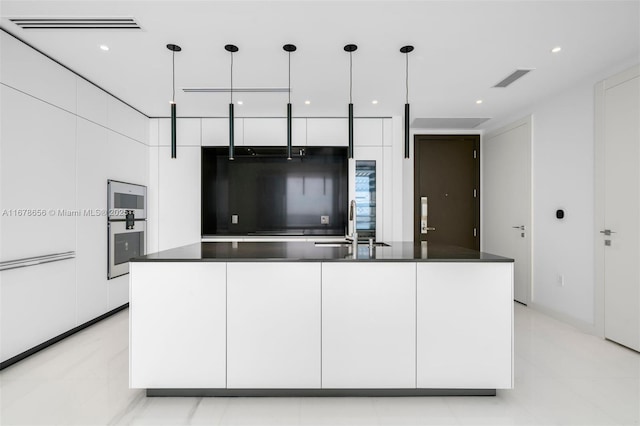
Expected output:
(350, 77)
(407, 76)
(173, 96)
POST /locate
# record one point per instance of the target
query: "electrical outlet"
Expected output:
(560, 280)
(234, 219)
(324, 220)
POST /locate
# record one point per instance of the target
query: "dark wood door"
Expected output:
(447, 172)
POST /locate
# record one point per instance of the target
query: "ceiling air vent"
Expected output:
(517, 74)
(76, 23)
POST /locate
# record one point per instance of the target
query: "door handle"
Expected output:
(607, 232)
(521, 227)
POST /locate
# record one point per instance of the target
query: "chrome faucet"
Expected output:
(354, 221)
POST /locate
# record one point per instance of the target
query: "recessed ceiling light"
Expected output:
(556, 49)
(307, 102)
(104, 47)
(479, 101)
(239, 102)
(375, 102)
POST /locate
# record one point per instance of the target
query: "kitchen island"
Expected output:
(294, 318)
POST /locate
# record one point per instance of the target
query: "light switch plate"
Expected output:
(234, 219)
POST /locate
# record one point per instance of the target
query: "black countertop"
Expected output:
(309, 252)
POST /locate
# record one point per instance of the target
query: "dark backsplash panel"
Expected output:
(272, 195)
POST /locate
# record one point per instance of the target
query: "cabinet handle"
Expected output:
(36, 260)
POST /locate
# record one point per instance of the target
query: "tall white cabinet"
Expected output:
(61, 139)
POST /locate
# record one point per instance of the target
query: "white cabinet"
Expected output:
(188, 132)
(367, 132)
(177, 325)
(386, 195)
(92, 102)
(387, 132)
(215, 131)
(327, 132)
(178, 197)
(464, 317)
(273, 132)
(368, 325)
(273, 316)
(37, 171)
(37, 304)
(126, 121)
(29, 71)
(91, 254)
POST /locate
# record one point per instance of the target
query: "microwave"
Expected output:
(126, 199)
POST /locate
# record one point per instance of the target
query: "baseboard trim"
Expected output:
(52, 341)
(583, 326)
(316, 392)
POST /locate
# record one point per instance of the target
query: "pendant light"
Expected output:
(173, 48)
(406, 50)
(231, 49)
(350, 48)
(289, 48)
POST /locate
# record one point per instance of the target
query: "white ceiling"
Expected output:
(462, 48)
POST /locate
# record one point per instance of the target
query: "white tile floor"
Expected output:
(563, 377)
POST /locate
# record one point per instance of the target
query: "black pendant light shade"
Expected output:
(174, 48)
(350, 48)
(406, 50)
(289, 48)
(231, 49)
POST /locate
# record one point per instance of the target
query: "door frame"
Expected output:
(599, 164)
(417, 141)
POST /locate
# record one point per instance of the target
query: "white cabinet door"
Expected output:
(465, 321)
(215, 131)
(37, 304)
(177, 326)
(179, 197)
(127, 121)
(92, 102)
(367, 132)
(273, 332)
(188, 132)
(38, 173)
(387, 132)
(273, 132)
(29, 71)
(327, 132)
(91, 254)
(368, 325)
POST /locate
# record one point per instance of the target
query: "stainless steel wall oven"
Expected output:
(126, 225)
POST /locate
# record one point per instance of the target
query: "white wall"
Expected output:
(564, 177)
(61, 139)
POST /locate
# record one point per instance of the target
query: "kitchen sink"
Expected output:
(347, 244)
